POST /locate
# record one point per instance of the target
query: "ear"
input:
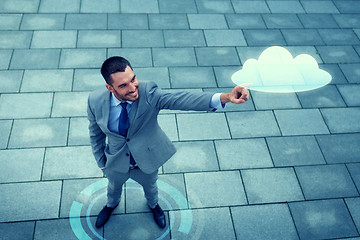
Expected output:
(109, 87)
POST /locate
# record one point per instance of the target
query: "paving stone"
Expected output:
(301, 122)
(250, 7)
(99, 38)
(87, 80)
(285, 7)
(138, 57)
(302, 37)
(348, 6)
(243, 153)
(245, 21)
(347, 20)
(89, 193)
(5, 56)
(184, 38)
(202, 126)
(318, 20)
(340, 148)
(20, 6)
(342, 120)
(249, 222)
(214, 6)
(38, 200)
(142, 6)
(204, 223)
(21, 165)
(271, 185)
(82, 58)
(217, 56)
(47, 80)
(39, 133)
(168, 21)
(86, 21)
(127, 21)
(207, 21)
(282, 21)
(295, 151)
(42, 22)
(327, 181)
(338, 54)
(252, 124)
(265, 100)
(192, 77)
(350, 94)
(339, 36)
(354, 206)
(104, 6)
(224, 38)
(168, 125)
(15, 39)
(5, 128)
(351, 72)
(192, 157)
(54, 39)
(79, 132)
(10, 81)
(168, 57)
(319, 7)
(25, 105)
(70, 162)
(229, 192)
(35, 59)
(59, 6)
(142, 38)
(10, 21)
(70, 104)
(322, 219)
(223, 75)
(158, 74)
(263, 37)
(327, 96)
(335, 72)
(17, 230)
(177, 6)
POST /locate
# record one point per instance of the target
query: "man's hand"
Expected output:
(239, 94)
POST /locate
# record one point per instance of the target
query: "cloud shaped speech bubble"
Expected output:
(277, 71)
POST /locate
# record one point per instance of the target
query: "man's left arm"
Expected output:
(237, 95)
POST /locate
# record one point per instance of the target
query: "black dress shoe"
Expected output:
(104, 216)
(159, 216)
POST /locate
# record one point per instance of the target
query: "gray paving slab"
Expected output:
(159, 74)
(21, 165)
(5, 56)
(10, 81)
(245, 21)
(354, 206)
(319, 7)
(169, 57)
(207, 21)
(223, 75)
(271, 185)
(192, 77)
(59, 163)
(39, 132)
(54, 39)
(184, 38)
(17, 230)
(88, 21)
(127, 21)
(70, 104)
(326, 181)
(252, 124)
(138, 57)
(264, 37)
(347, 20)
(339, 36)
(214, 6)
(5, 128)
(204, 224)
(106, 6)
(302, 37)
(327, 96)
(295, 151)
(142, 38)
(224, 38)
(21, 6)
(282, 21)
(338, 54)
(168, 21)
(354, 169)
(61, 6)
(285, 7)
(47, 80)
(35, 59)
(78, 131)
(250, 7)
(87, 80)
(217, 56)
(38, 200)
(15, 39)
(42, 21)
(82, 58)
(340, 148)
(168, 124)
(348, 7)
(177, 6)
(229, 193)
(243, 153)
(10, 21)
(249, 222)
(301, 122)
(335, 72)
(266, 101)
(192, 157)
(322, 219)
(142, 6)
(351, 72)
(342, 120)
(318, 20)
(99, 38)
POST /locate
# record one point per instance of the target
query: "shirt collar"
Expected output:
(116, 102)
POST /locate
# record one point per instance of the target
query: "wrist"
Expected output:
(224, 98)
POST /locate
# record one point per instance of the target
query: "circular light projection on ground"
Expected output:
(92, 192)
(277, 71)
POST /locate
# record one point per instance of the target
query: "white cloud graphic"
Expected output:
(277, 71)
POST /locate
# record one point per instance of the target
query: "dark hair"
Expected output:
(113, 65)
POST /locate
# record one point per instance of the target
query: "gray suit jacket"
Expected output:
(148, 144)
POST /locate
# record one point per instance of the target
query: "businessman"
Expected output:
(126, 139)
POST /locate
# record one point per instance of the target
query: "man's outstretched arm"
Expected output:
(239, 94)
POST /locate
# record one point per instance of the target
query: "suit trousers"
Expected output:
(116, 181)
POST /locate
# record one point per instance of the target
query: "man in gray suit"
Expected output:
(126, 115)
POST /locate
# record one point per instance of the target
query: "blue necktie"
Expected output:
(124, 126)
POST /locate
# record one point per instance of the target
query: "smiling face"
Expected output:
(124, 85)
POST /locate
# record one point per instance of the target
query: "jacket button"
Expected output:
(127, 154)
(128, 140)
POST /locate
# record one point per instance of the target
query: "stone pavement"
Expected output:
(281, 166)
